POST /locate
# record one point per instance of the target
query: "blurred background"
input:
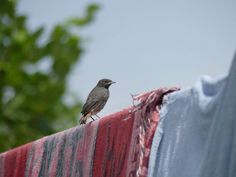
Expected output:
(52, 53)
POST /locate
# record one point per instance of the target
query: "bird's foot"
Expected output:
(97, 116)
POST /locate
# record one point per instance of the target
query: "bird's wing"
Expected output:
(94, 106)
(96, 100)
(88, 107)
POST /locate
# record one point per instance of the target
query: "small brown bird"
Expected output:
(96, 100)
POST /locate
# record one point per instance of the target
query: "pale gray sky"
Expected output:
(147, 44)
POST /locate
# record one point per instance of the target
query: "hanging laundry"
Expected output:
(114, 146)
(196, 136)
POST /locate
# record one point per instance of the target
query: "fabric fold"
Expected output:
(196, 134)
(117, 145)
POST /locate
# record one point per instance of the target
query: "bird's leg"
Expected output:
(97, 116)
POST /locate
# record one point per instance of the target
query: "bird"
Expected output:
(96, 100)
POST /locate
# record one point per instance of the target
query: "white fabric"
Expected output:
(196, 136)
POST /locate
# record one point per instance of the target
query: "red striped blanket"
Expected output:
(115, 146)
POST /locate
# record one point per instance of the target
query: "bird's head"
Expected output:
(105, 83)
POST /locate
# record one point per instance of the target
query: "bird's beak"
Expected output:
(112, 82)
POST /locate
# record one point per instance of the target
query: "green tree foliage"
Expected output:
(31, 97)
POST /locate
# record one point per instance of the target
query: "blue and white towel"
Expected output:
(197, 133)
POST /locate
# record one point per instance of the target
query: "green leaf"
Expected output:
(31, 102)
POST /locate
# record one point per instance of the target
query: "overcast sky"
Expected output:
(145, 45)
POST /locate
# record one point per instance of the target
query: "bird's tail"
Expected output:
(82, 120)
